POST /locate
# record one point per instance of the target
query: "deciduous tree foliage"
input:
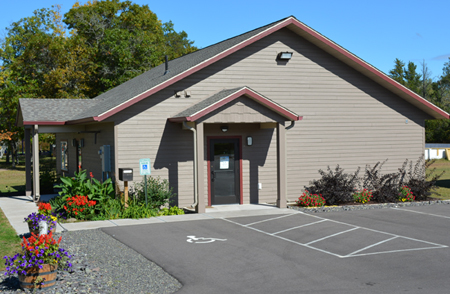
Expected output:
(93, 48)
(124, 40)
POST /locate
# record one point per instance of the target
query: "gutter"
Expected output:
(194, 131)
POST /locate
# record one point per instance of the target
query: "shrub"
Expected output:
(310, 200)
(335, 186)
(363, 196)
(159, 193)
(405, 194)
(171, 211)
(384, 187)
(420, 178)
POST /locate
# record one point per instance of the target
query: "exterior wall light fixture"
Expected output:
(224, 129)
(285, 55)
(249, 141)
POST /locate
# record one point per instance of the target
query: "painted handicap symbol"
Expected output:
(193, 239)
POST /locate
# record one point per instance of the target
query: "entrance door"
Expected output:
(225, 171)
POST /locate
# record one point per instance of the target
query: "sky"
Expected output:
(377, 31)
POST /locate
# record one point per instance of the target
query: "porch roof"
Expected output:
(226, 96)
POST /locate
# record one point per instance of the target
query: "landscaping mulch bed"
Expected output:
(359, 206)
(102, 264)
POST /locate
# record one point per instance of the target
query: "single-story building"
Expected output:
(248, 120)
(437, 150)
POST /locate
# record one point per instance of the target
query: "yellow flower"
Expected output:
(54, 218)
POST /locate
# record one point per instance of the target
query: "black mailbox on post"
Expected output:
(126, 174)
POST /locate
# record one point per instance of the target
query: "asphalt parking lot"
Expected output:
(402, 250)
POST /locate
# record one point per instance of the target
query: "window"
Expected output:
(64, 157)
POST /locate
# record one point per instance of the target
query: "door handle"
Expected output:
(213, 175)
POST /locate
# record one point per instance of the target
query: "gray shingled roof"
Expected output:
(155, 76)
(207, 102)
(192, 110)
(36, 109)
(53, 109)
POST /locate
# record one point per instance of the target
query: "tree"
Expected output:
(124, 40)
(95, 47)
(398, 72)
(412, 78)
(176, 44)
(427, 82)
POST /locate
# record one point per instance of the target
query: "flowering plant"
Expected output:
(363, 196)
(37, 251)
(310, 200)
(405, 194)
(45, 208)
(79, 207)
(34, 219)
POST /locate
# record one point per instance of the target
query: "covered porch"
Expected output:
(232, 135)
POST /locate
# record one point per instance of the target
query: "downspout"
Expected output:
(288, 128)
(195, 164)
(291, 126)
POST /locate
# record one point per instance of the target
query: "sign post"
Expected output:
(144, 169)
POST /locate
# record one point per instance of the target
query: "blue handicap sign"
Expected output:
(144, 164)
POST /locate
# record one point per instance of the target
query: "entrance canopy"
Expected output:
(222, 99)
(233, 106)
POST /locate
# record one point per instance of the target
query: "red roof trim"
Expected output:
(44, 123)
(253, 39)
(367, 66)
(193, 70)
(245, 91)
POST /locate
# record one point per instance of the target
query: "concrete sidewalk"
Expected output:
(16, 208)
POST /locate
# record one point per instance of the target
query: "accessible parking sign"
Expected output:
(144, 165)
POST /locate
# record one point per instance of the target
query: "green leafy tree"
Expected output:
(95, 47)
(412, 78)
(124, 39)
(398, 73)
(407, 76)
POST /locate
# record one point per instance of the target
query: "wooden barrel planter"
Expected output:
(47, 272)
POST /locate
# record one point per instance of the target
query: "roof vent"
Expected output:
(167, 65)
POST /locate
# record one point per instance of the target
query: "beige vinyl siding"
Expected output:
(347, 118)
(242, 110)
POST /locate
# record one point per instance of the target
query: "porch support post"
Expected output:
(200, 208)
(28, 180)
(281, 166)
(36, 188)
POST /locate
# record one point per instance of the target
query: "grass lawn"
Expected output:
(444, 182)
(9, 241)
(12, 180)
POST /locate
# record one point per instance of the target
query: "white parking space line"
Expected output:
(436, 215)
(373, 245)
(353, 254)
(266, 220)
(293, 228)
(343, 232)
(392, 251)
(282, 238)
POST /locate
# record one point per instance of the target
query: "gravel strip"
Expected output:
(365, 206)
(102, 264)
